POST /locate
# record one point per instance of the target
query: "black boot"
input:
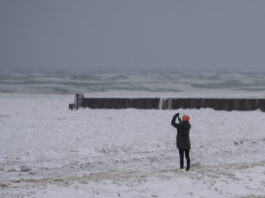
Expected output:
(188, 165)
(188, 159)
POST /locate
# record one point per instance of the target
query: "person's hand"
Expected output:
(176, 115)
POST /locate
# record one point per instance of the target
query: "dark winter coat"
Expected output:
(183, 133)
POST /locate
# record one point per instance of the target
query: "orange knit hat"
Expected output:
(185, 118)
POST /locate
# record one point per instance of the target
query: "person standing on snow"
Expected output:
(183, 138)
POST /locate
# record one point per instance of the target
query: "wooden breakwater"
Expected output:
(168, 103)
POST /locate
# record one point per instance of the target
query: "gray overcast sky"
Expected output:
(132, 35)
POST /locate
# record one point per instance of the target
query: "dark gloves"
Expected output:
(177, 116)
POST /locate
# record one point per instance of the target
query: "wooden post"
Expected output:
(78, 100)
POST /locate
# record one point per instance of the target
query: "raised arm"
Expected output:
(173, 121)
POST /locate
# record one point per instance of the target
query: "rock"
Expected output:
(3, 185)
(25, 168)
(12, 170)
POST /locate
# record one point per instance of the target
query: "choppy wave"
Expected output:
(143, 82)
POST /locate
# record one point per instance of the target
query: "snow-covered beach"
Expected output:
(94, 92)
(49, 151)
